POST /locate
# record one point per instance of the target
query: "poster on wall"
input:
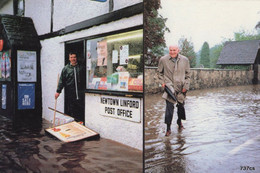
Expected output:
(26, 66)
(123, 81)
(7, 65)
(4, 96)
(102, 53)
(26, 96)
(124, 54)
(5, 62)
(114, 56)
(1, 66)
(121, 108)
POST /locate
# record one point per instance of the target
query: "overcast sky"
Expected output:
(208, 20)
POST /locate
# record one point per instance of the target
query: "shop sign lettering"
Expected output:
(121, 107)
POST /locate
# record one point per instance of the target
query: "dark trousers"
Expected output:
(74, 108)
(169, 113)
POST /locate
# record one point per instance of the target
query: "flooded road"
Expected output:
(222, 132)
(33, 150)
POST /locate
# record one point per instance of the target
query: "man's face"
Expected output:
(73, 59)
(173, 51)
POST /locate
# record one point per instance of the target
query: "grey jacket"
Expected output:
(175, 75)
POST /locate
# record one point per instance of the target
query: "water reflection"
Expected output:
(222, 126)
(29, 149)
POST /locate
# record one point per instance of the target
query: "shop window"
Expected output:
(5, 66)
(115, 62)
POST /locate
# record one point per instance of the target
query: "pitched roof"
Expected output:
(19, 32)
(239, 52)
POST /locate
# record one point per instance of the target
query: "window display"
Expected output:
(115, 62)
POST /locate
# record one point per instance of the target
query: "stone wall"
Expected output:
(203, 78)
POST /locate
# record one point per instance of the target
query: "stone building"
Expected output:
(242, 53)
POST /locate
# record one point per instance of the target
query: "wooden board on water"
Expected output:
(72, 131)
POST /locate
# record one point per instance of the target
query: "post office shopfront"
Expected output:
(114, 84)
(109, 43)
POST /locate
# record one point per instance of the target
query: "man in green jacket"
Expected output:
(72, 79)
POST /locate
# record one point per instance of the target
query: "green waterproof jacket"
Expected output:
(67, 80)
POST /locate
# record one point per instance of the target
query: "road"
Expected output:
(222, 132)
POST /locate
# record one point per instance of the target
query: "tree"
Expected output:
(154, 29)
(204, 56)
(187, 50)
(214, 55)
(245, 35)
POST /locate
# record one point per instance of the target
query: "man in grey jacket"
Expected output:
(174, 72)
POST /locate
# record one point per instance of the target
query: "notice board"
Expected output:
(72, 131)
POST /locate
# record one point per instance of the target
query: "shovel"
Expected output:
(54, 116)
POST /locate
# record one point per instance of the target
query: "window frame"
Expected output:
(113, 92)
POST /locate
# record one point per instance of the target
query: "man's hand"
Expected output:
(163, 85)
(184, 90)
(57, 95)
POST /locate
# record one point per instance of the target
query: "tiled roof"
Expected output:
(19, 32)
(239, 52)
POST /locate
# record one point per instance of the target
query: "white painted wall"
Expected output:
(40, 12)
(7, 8)
(67, 12)
(52, 62)
(118, 4)
(123, 131)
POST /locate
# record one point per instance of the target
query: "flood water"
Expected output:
(34, 150)
(222, 132)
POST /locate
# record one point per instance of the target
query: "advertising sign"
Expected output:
(26, 66)
(123, 81)
(26, 96)
(4, 96)
(102, 53)
(124, 54)
(121, 108)
(72, 131)
(5, 65)
(114, 56)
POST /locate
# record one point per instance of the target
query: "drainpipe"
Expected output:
(111, 5)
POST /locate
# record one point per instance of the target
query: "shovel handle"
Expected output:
(54, 116)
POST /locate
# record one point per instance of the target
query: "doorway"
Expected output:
(78, 48)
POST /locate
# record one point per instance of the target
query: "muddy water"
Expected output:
(32, 150)
(222, 132)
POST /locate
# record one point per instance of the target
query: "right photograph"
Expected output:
(202, 86)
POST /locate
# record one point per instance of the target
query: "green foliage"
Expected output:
(154, 29)
(187, 50)
(245, 35)
(214, 55)
(204, 56)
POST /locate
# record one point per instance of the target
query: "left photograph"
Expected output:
(71, 86)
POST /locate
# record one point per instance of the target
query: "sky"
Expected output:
(208, 20)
